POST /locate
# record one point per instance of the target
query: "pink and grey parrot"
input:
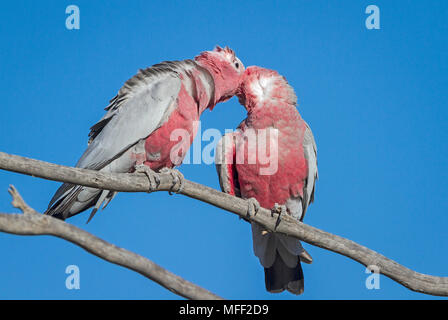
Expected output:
(285, 183)
(136, 130)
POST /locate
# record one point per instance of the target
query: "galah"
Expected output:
(136, 131)
(271, 160)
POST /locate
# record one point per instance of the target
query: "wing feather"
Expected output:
(310, 149)
(141, 106)
(225, 165)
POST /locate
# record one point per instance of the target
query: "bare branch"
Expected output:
(18, 202)
(138, 183)
(33, 223)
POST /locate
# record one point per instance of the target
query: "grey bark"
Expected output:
(33, 223)
(412, 280)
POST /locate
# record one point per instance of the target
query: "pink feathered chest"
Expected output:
(280, 168)
(167, 146)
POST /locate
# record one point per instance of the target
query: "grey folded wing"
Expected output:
(310, 150)
(141, 106)
(225, 166)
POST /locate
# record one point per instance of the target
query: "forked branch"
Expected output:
(33, 223)
(415, 281)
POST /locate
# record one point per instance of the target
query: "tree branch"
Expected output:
(33, 223)
(139, 183)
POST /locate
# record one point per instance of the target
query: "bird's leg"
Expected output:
(252, 207)
(280, 210)
(178, 179)
(153, 177)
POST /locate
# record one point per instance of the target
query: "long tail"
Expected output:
(69, 200)
(280, 277)
(280, 256)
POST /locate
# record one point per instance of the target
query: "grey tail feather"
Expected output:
(92, 214)
(63, 200)
(100, 200)
(58, 194)
(279, 277)
(111, 195)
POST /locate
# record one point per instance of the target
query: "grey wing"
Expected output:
(297, 206)
(141, 106)
(224, 156)
(310, 149)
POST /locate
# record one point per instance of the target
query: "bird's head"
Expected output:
(259, 85)
(226, 70)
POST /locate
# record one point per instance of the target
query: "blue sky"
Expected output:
(375, 99)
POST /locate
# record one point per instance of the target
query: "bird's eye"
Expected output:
(237, 65)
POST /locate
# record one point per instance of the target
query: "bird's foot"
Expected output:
(305, 257)
(153, 177)
(280, 210)
(252, 207)
(178, 180)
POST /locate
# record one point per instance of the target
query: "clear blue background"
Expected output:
(375, 99)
